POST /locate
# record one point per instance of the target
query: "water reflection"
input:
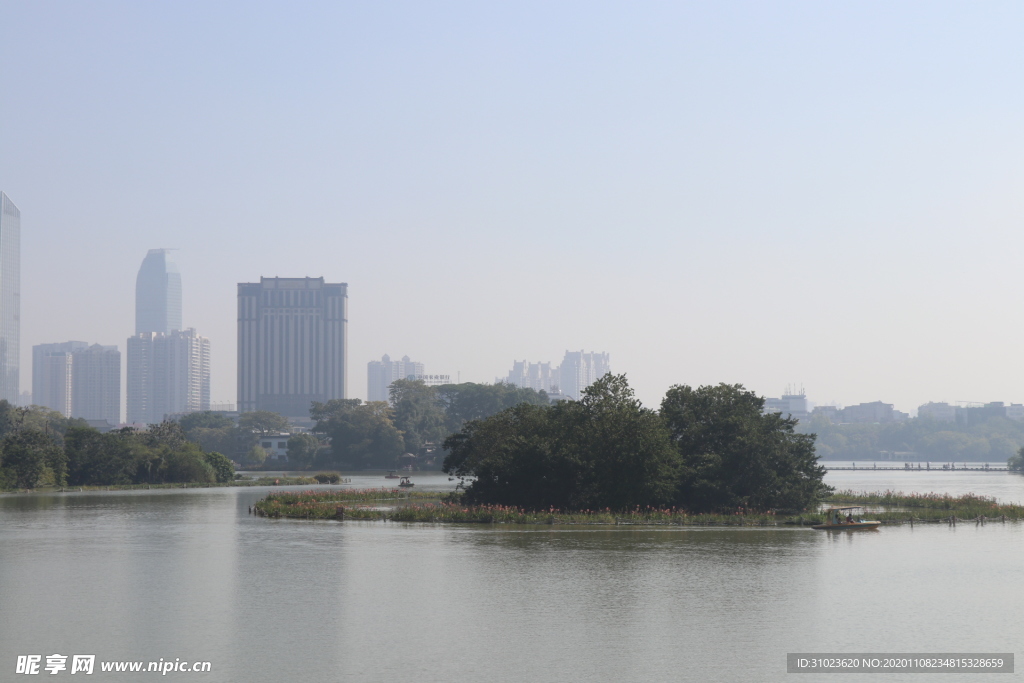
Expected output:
(144, 575)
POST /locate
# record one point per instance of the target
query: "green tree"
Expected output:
(256, 456)
(31, 454)
(733, 455)
(465, 402)
(1016, 463)
(263, 423)
(604, 451)
(302, 450)
(362, 435)
(222, 467)
(417, 413)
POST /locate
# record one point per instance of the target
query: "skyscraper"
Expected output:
(579, 370)
(78, 380)
(10, 299)
(292, 344)
(381, 373)
(157, 294)
(167, 374)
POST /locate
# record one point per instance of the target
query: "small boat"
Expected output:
(837, 521)
(405, 483)
(391, 475)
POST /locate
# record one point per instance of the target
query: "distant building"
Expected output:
(790, 405)
(381, 373)
(831, 412)
(537, 376)
(940, 412)
(292, 344)
(1015, 411)
(578, 371)
(868, 413)
(157, 294)
(167, 374)
(78, 380)
(276, 446)
(433, 380)
(10, 299)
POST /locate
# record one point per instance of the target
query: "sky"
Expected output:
(772, 194)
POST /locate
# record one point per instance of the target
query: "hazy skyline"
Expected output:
(763, 193)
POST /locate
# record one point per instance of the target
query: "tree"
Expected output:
(29, 454)
(222, 467)
(603, 451)
(263, 423)
(417, 413)
(734, 455)
(302, 450)
(362, 435)
(256, 456)
(468, 401)
(1016, 463)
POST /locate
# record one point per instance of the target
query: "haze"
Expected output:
(826, 194)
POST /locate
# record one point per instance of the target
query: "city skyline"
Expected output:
(759, 200)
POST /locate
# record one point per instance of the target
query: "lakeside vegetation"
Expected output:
(994, 439)
(396, 505)
(706, 450)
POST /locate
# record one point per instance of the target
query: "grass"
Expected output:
(397, 505)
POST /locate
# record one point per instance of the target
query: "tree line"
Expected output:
(415, 420)
(706, 449)
(41, 447)
(996, 439)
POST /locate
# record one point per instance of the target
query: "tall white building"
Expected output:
(10, 299)
(578, 371)
(292, 344)
(537, 376)
(381, 373)
(167, 374)
(157, 294)
(78, 380)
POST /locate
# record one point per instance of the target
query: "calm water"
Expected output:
(189, 574)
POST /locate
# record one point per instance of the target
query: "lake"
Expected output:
(189, 574)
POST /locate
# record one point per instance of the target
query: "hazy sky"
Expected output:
(826, 194)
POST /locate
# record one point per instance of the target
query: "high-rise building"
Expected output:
(292, 344)
(538, 376)
(157, 294)
(10, 299)
(579, 370)
(381, 373)
(78, 380)
(168, 374)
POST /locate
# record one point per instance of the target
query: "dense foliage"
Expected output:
(707, 449)
(69, 453)
(996, 439)
(415, 420)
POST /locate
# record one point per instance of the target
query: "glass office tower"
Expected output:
(157, 294)
(10, 299)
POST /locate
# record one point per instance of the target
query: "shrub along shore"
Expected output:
(396, 505)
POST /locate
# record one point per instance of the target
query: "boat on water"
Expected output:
(843, 519)
(405, 483)
(391, 475)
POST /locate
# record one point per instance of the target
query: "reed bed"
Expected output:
(398, 505)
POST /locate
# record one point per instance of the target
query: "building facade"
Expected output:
(167, 374)
(10, 299)
(78, 380)
(790, 405)
(157, 294)
(538, 376)
(292, 344)
(579, 370)
(381, 373)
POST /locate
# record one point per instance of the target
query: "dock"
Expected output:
(943, 468)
